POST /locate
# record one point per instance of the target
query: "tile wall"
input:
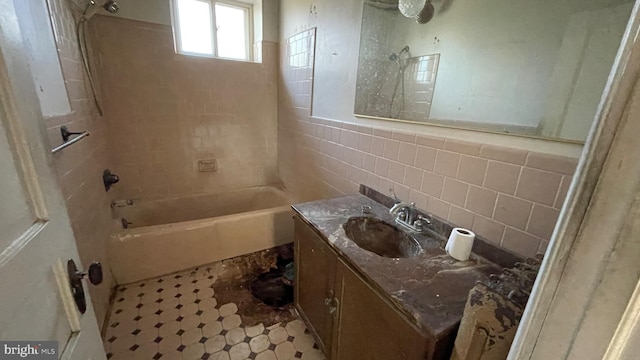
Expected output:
(510, 196)
(167, 111)
(80, 167)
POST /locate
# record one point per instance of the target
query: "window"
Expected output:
(213, 28)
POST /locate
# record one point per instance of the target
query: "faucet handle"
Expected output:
(402, 214)
(426, 219)
(422, 222)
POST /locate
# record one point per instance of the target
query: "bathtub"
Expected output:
(169, 235)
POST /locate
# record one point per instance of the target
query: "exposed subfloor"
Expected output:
(206, 313)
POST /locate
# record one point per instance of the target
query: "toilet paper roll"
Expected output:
(460, 243)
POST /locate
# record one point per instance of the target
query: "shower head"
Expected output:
(111, 6)
(93, 8)
(396, 57)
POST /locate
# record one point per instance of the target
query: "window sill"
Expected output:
(201, 56)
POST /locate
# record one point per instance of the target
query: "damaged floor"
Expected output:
(207, 313)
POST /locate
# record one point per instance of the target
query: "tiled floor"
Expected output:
(178, 317)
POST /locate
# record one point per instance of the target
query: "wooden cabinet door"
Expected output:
(315, 282)
(369, 327)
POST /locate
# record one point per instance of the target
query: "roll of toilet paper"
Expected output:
(460, 243)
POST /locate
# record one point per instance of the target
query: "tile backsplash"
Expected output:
(511, 197)
(168, 111)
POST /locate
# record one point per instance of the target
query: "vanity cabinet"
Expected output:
(348, 317)
(316, 269)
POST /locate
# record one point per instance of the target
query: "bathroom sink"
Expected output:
(380, 237)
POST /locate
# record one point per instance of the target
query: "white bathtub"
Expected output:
(169, 235)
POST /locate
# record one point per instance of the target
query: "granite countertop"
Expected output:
(430, 288)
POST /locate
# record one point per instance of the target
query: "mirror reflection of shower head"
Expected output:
(93, 8)
(396, 57)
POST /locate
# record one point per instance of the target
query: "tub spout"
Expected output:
(121, 203)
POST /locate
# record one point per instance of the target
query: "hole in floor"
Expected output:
(256, 283)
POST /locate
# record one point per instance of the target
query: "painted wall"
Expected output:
(80, 167)
(167, 111)
(507, 189)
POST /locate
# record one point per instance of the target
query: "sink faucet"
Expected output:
(408, 217)
(403, 209)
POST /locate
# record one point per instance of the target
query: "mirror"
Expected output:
(535, 68)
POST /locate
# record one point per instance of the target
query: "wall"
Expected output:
(506, 189)
(153, 11)
(166, 111)
(80, 167)
(337, 64)
(159, 12)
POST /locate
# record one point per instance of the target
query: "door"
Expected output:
(361, 310)
(35, 234)
(315, 283)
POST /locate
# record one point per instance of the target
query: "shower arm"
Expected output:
(90, 10)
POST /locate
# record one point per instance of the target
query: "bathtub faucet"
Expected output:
(121, 203)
